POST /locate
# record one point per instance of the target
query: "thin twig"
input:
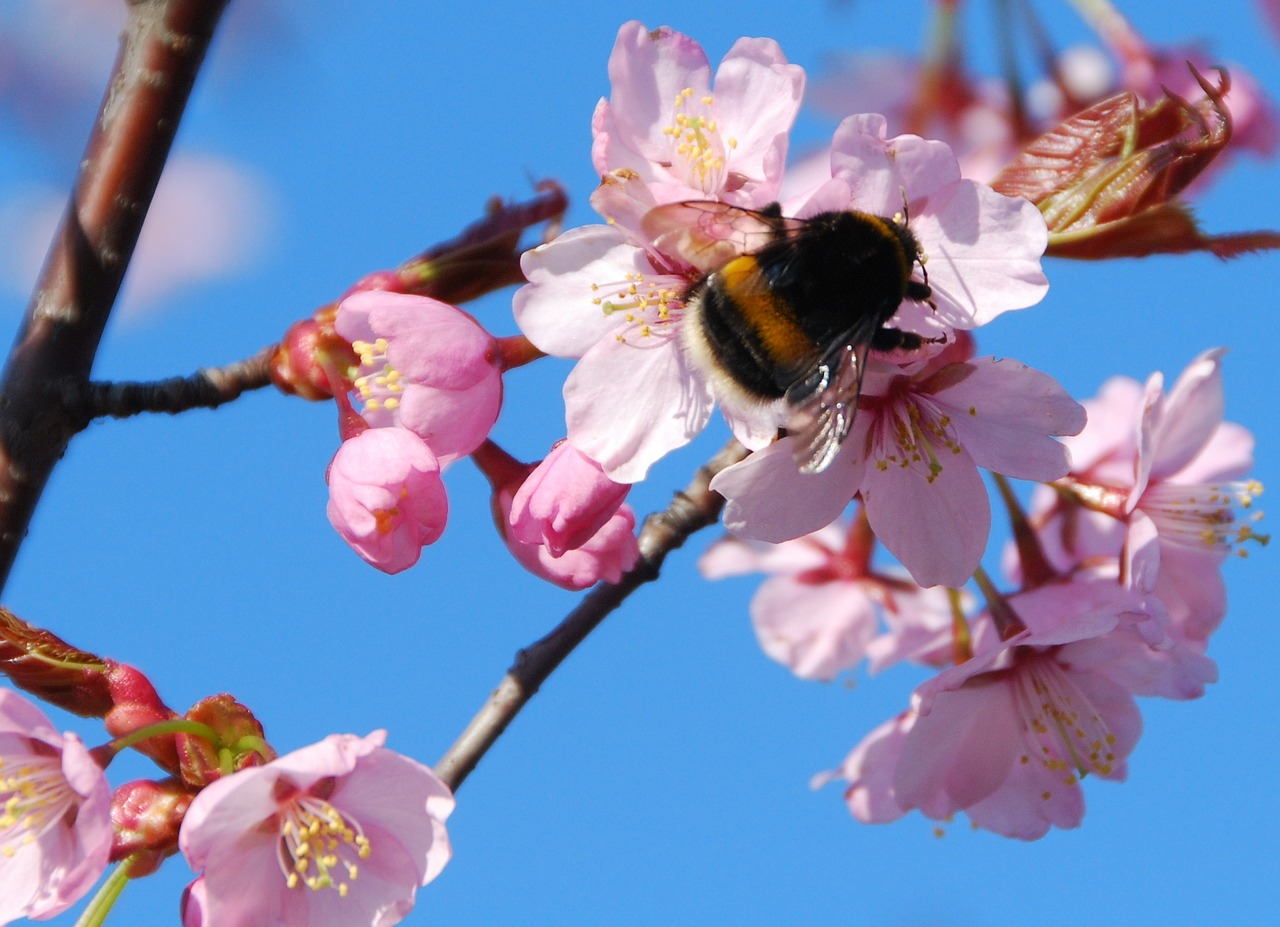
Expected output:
(695, 508)
(83, 401)
(162, 47)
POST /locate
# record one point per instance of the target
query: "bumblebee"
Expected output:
(789, 308)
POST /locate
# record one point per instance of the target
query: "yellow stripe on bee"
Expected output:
(771, 320)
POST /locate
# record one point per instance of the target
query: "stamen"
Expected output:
(1072, 737)
(697, 142)
(319, 846)
(34, 796)
(1202, 516)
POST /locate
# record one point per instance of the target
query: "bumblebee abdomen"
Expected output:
(752, 331)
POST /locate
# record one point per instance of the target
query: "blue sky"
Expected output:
(661, 776)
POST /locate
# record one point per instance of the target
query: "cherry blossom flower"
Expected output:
(425, 365)
(817, 610)
(342, 832)
(1007, 735)
(386, 498)
(914, 454)
(1159, 477)
(565, 501)
(664, 123)
(55, 815)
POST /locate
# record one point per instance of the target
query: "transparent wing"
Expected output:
(709, 234)
(824, 403)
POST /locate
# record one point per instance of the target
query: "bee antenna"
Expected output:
(906, 209)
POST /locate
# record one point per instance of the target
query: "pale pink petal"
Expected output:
(564, 501)
(556, 311)
(1030, 801)
(1109, 430)
(770, 500)
(961, 751)
(870, 770)
(817, 630)
(937, 530)
(1005, 414)
(626, 406)
(757, 97)
(1193, 408)
(879, 170)
(1227, 455)
(984, 252)
(647, 70)
(1126, 658)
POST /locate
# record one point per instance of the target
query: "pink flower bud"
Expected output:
(135, 704)
(608, 554)
(565, 501)
(425, 365)
(146, 815)
(386, 497)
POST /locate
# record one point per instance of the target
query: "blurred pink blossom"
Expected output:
(565, 501)
(341, 832)
(55, 816)
(816, 610)
(210, 219)
(386, 498)
(1160, 477)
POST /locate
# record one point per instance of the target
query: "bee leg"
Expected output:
(890, 339)
(921, 293)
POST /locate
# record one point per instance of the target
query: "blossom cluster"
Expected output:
(1115, 576)
(428, 380)
(1116, 588)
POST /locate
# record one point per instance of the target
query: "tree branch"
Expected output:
(163, 45)
(695, 508)
(84, 400)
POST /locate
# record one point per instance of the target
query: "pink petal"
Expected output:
(647, 70)
(817, 630)
(984, 253)
(1005, 414)
(879, 170)
(870, 770)
(757, 97)
(961, 751)
(627, 406)
(937, 530)
(770, 500)
(556, 310)
(1193, 409)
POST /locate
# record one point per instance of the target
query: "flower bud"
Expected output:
(146, 816)
(565, 501)
(386, 498)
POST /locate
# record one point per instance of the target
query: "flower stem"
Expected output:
(695, 508)
(95, 913)
(1036, 569)
(1006, 619)
(163, 728)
